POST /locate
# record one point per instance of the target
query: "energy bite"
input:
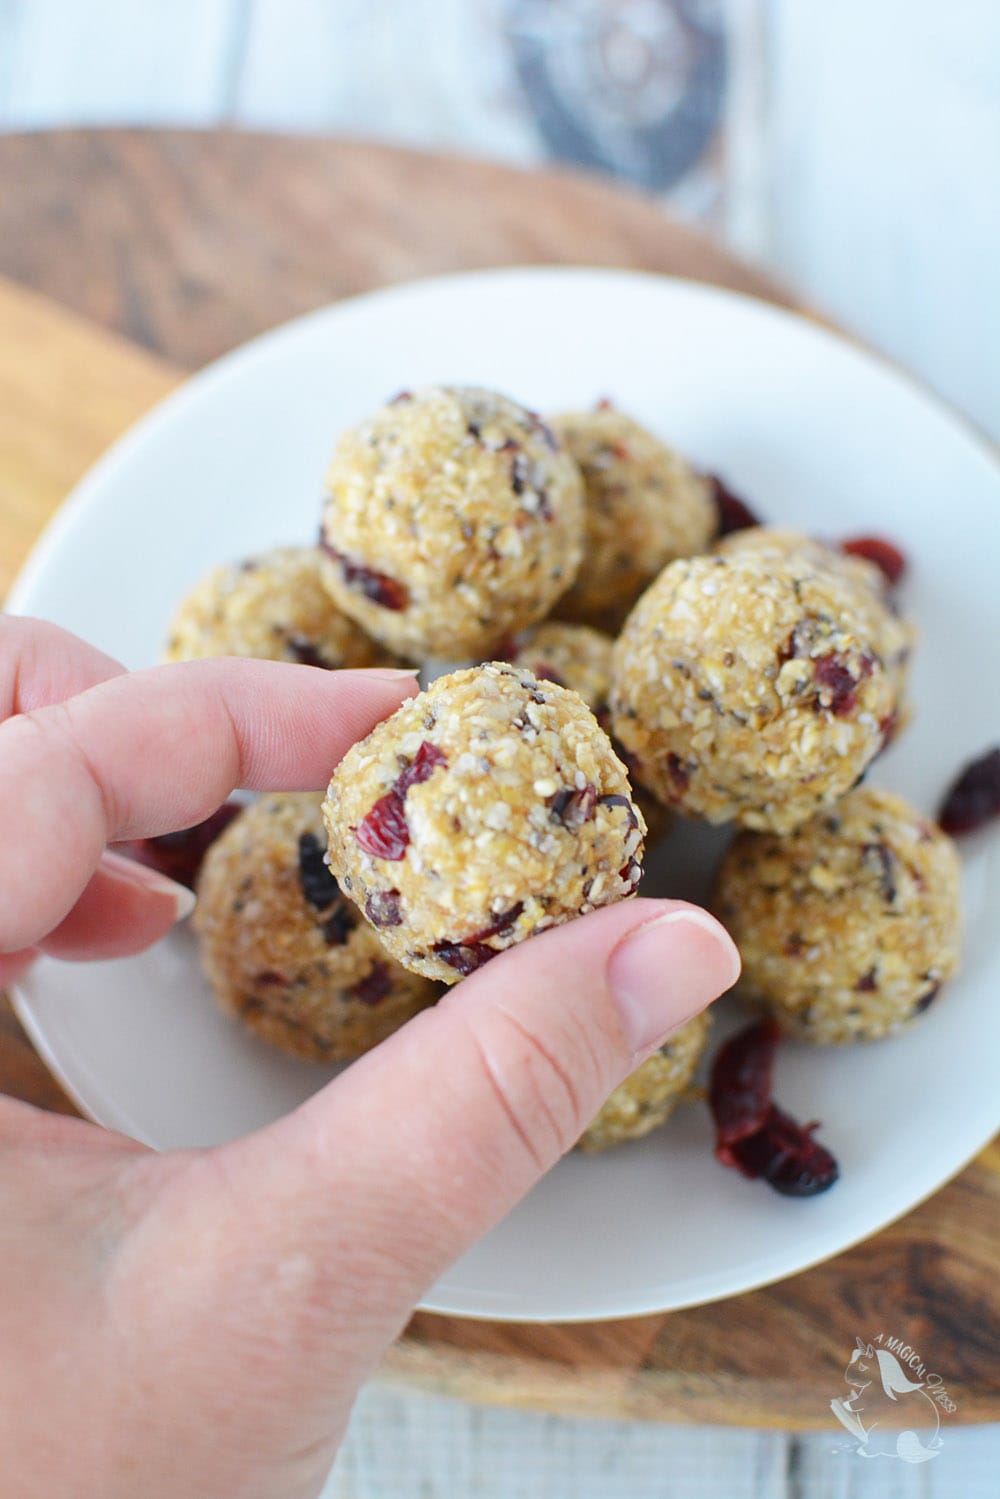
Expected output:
(484, 810)
(273, 607)
(644, 507)
(894, 633)
(752, 688)
(453, 517)
(284, 951)
(647, 1098)
(578, 657)
(849, 926)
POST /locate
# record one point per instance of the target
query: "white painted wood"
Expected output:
(71, 62)
(885, 156)
(824, 1466)
(428, 73)
(414, 1446)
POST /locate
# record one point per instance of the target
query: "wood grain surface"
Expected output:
(185, 245)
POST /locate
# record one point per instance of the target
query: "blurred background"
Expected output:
(851, 149)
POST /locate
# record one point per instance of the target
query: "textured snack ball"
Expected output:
(284, 951)
(892, 632)
(578, 657)
(752, 688)
(648, 1097)
(849, 927)
(453, 517)
(644, 507)
(272, 607)
(484, 810)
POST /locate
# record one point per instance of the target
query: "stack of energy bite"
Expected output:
(752, 682)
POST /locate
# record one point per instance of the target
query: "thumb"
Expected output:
(424, 1144)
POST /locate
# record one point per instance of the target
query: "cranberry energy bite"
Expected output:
(644, 507)
(753, 687)
(453, 517)
(284, 951)
(648, 1097)
(272, 607)
(484, 810)
(849, 927)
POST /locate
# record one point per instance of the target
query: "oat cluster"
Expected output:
(486, 809)
(284, 950)
(647, 1098)
(273, 607)
(453, 518)
(644, 507)
(751, 687)
(849, 926)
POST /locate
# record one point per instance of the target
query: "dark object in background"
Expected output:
(633, 87)
(973, 798)
(179, 855)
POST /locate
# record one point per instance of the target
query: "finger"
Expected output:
(124, 909)
(156, 750)
(42, 664)
(13, 964)
(424, 1144)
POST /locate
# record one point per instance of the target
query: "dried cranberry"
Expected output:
(678, 772)
(752, 1133)
(374, 986)
(472, 952)
(614, 800)
(305, 653)
(734, 514)
(867, 983)
(974, 798)
(384, 908)
(876, 549)
(604, 404)
(926, 1000)
(785, 1154)
(546, 673)
(318, 885)
(384, 832)
(888, 728)
(572, 808)
(422, 767)
(500, 923)
(401, 395)
(338, 927)
(740, 1088)
(838, 682)
(268, 979)
(464, 957)
(179, 855)
(379, 587)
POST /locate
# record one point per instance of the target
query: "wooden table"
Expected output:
(131, 258)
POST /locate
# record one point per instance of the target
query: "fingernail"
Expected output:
(663, 973)
(391, 673)
(148, 879)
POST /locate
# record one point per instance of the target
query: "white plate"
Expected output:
(818, 435)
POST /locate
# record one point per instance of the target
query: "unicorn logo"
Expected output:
(870, 1412)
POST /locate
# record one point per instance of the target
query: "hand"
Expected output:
(198, 1324)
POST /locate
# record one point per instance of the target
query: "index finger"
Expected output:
(156, 750)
